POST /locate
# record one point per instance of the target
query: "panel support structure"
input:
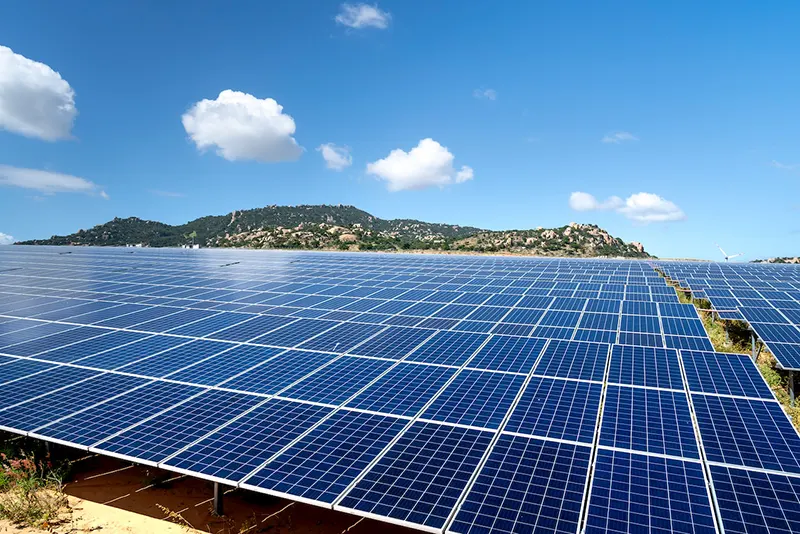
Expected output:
(791, 389)
(753, 344)
(218, 496)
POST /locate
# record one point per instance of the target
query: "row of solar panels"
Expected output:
(772, 312)
(627, 322)
(470, 449)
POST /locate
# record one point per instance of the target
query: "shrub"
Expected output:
(30, 491)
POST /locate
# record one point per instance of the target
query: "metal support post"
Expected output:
(218, 495)
(753, 344)
(791, 388)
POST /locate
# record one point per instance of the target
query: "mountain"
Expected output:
(795, 259)
(347, 228)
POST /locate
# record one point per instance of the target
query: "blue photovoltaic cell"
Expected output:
(560, 409)
(338, 381)
(293, 334)
(124, 321)
(476, 398)
(41, 383)
(512, 329)
(788, 355)
(750, 433)
(683, 327)
(235, 450)
(216, 370)
(752, 501)
(526, 485)
(689, 343)
(642, 324)
(421, 477)
(638, 493)
(395, 342)
(179, 357)
(448, 348)
(595, 336)
(211, 324)
(404, 390)
(90, 347)
(114, 358)
(488, 313)
(687, 311)
(639, 308)
(157, 438)
(523, 316)
(279, 372)
(645, 366)
(163, 324)
(599, 321)
(603, 306)
(40, 411)
(725, 374)
(648, 420)
(249, 330)
(508, 353)
(323, 463)
(573, 359)
(16, 368)
(342, 338)
(645, 340)
(53, 341)
(90, 426)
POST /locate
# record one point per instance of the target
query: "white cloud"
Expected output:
(35, 100)
(6, 239)
(648, 207)
(488, 94)
(618, 137)
(336, 158)
(639, 207)
(426, 165)
(785, 166)
(580, 201)
(242, 127)
(359, 16)
(47, 182)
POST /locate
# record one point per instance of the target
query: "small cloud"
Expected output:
(639, 207)
(35, 101)
(485, 94)
(619, 137)
(426, 165)
(48, 182)
(532, 139)
(784, 166)
(6, 239)
(580, 201)
(358, 16)
(242, 127)
(336, 158)
(167, 194)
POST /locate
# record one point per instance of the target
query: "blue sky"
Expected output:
(162, 111)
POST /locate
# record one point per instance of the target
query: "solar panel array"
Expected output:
(767, 296)
(448, 394)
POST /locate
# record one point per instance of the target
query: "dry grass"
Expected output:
(31, 492)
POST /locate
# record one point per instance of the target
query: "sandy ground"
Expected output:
(110, 496)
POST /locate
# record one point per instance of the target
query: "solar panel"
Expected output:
(275, 374)
(338, 381)
(752, 501)
(638, 493)
(420, 478)
(645, 366)
(322, 464)
(526, 485)
(746, 432)
(404, 389)
(724, 374)
(573, 359)
(648, 420)
(508, 353)
(448, 348)
(243, 444)
(476, 398)
(559, 409)
(156, 438)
